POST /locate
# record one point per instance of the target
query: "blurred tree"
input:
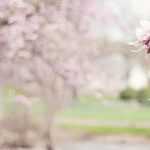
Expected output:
(41, 50)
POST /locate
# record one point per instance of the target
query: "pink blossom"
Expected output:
(143, 35)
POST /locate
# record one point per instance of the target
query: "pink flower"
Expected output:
(143, 35)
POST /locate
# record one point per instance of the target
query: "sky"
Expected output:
(116, 20)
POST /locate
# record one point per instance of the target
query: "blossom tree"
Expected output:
(42, 50)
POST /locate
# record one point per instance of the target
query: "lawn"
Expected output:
(111, 118)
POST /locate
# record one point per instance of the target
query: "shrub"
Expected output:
(128, 94)
(143, 95)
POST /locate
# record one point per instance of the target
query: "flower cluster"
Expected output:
(143, 35)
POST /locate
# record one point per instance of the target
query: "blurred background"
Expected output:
(68, 66)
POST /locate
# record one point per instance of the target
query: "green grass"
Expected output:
(115, 113)
(108, 130)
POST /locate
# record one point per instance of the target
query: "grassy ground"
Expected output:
(94, 116)
(108, 130)
(109, 118)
